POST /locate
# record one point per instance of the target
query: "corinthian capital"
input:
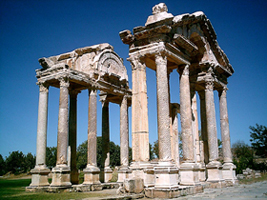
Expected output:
(43, 87)
(64, 82)
(209, 85)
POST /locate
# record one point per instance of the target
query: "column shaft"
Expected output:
(124, 133)
(211, 122)
(140, 137)
(204, 126)
(105, 135)
(92, 129)
(163, 109)
(42, 126)
(73, 135)
(186, 115)
(63, 123)
(175, 137)
(225, 133)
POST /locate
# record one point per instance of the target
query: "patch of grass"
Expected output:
(15, 189)
(254, 180)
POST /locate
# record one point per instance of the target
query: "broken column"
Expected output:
(40, 171)
(61, 172)
(228, 170)
(91, 172)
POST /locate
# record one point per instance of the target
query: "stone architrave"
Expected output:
(228, 170)
(124, 171)
(188, 169)
(140, 135)
(214, 166)
(91, 172)
(74, 175)
(166, 172)
(107, 171)
(40, 172)
(61, 173)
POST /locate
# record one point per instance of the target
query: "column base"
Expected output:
(166, 175)
(91, 175)
(61, 176)
(202, 172)
(214, 171)
(106, 175)
(124, 172)
(228, 173)
(189, 173)
(39, 176)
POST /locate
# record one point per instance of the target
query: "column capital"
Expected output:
(43, 86)
(222, 91)
(74, 93)
(64, 82)
(137, 62)
(183, 70)
(209, 85)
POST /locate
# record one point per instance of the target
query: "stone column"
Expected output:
(124, 171)
(140, 138)
(107, 172)
(175, 136)
(91, 172)
(228, 171)
(61, 173)
(214, 166)
(166, 172)
(195, 125)
(204, 126)
(188, 169)
(74, 176)
(40, 172)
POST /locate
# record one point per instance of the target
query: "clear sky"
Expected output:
(31, 29)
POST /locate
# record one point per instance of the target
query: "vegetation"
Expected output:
(258, 140)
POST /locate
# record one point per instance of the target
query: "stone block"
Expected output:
(134, 185)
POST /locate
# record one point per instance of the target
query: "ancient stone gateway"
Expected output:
(91, 68)
(185, 44)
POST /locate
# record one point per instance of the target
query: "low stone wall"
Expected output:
(249, 173)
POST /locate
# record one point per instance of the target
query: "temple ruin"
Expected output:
(184, 44)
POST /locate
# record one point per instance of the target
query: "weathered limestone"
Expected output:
(40, 171)
(107, 171)
(174, 134)
(228, 171)
(91, 172)
(124, 171)
(214, 166)
(74, 175)
(61, 173)
(140, 139)
(188, 169)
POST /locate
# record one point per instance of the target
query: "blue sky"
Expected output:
(33, 29)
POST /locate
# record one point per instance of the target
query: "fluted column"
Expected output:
(73, 136)
(140, 135)
(61, 173)
(186, 115)
(40, 172)
(91, 172)
(124, 133)
(225, 133)
(211, 122)
(163, 109)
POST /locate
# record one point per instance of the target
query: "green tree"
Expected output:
(15, 162)
(51, 156)
(82, 155)
(114, 154)
(2, 166)
(243, 156)
(151, 152)
(258, 139)
(155, 148)
(29, 162)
